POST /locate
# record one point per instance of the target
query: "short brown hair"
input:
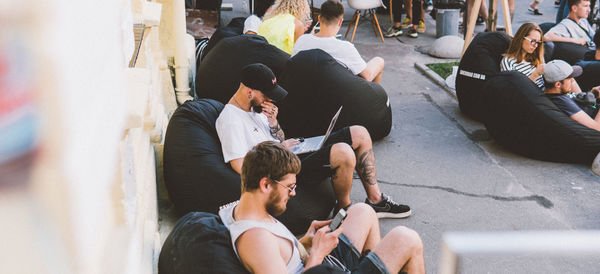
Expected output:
(331, 10)
(572, 3)
(268, 159)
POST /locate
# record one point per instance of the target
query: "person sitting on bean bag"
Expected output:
(344, 52)
(250, 117)
(525, 53)
(559, 76)
(575, 28)
(285, 22)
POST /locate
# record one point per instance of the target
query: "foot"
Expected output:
(393, 32)
(479, 21)
(387, 208)
(406, 23)
(535, 11)
(412, 33)
(421, 26)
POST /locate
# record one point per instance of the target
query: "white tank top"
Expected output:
(237, 228)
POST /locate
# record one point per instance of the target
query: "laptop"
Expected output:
(315, 143)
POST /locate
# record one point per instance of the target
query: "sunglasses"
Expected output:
(533, 42)
(290, 189)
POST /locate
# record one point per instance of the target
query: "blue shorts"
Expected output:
(346, 258)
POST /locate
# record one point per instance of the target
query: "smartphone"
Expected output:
(337, 220)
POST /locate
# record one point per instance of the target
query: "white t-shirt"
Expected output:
(342, 51)
(239, 131)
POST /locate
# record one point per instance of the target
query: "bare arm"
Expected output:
(299, 29)
(584, 119)
(323, 243)
(553, 37)
(259, 252)
(236, 164)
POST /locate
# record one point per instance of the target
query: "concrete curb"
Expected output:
(435, 78)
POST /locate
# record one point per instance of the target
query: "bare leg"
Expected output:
(401, 250)
(373, 70)
(361, 226)
(408, 8)
(365, 162)
(342, 161)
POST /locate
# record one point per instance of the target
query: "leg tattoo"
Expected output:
(366, 167)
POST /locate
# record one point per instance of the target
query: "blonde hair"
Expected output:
(297, 8)
(515, 50)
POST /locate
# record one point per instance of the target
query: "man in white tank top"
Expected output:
(264, 245)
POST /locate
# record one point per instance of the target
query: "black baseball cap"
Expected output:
(260, 77)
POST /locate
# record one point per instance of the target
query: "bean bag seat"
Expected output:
(234, 28)
(318, 85)
(197, 179)
(480, 62)
(591, 75)
(219, 73)
(199, 243)
(526, 122)
(568, 52)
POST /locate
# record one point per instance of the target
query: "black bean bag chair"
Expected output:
(218, 76)
(197, 179)
(317, 86)
(234, 28)
(199, 243)
(568, 52)
(480, 63)
(526, 122)
(591, 75)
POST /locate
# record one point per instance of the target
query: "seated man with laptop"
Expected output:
(250, 117)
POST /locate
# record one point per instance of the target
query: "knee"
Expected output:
(360, 135)
(408, 237)
(342, 154)
(366, 213)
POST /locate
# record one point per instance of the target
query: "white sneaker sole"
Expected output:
(388, 215)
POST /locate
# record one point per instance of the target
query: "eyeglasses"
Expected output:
(290, 189)
(533, 42)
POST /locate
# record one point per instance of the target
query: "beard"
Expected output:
(273, 207)
(256, 107)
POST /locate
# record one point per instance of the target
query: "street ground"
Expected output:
(454, 177)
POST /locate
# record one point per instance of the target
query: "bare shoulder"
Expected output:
(259, 252)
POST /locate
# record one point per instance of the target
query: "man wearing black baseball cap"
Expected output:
(347, 149)
(558, 78)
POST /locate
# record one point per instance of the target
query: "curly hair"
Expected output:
(298, 8)
(515, 49)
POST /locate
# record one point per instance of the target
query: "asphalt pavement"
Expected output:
(456, 178)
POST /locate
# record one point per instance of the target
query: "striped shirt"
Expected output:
(524, 67)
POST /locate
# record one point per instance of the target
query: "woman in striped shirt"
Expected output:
(526, 53)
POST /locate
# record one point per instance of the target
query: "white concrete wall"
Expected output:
(90, 203)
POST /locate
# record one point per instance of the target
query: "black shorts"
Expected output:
(346, 258)
(316, 165)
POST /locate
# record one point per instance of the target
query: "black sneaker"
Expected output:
(393, 32)
(387, 208)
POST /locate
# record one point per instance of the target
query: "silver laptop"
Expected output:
(315, 143)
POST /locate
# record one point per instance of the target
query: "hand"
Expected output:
(596, 91)
(580, 41)
(290, 143)
(540, 69)
(323, 242)
(270, 110)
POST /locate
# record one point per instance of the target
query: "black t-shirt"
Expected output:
(564, 103)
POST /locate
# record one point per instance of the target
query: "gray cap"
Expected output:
(558, 70)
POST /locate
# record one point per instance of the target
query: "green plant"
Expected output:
(442, 69)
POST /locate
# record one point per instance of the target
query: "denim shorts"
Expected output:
(346, 258)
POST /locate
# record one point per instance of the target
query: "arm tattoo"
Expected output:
(277, 132)
(366, 167)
